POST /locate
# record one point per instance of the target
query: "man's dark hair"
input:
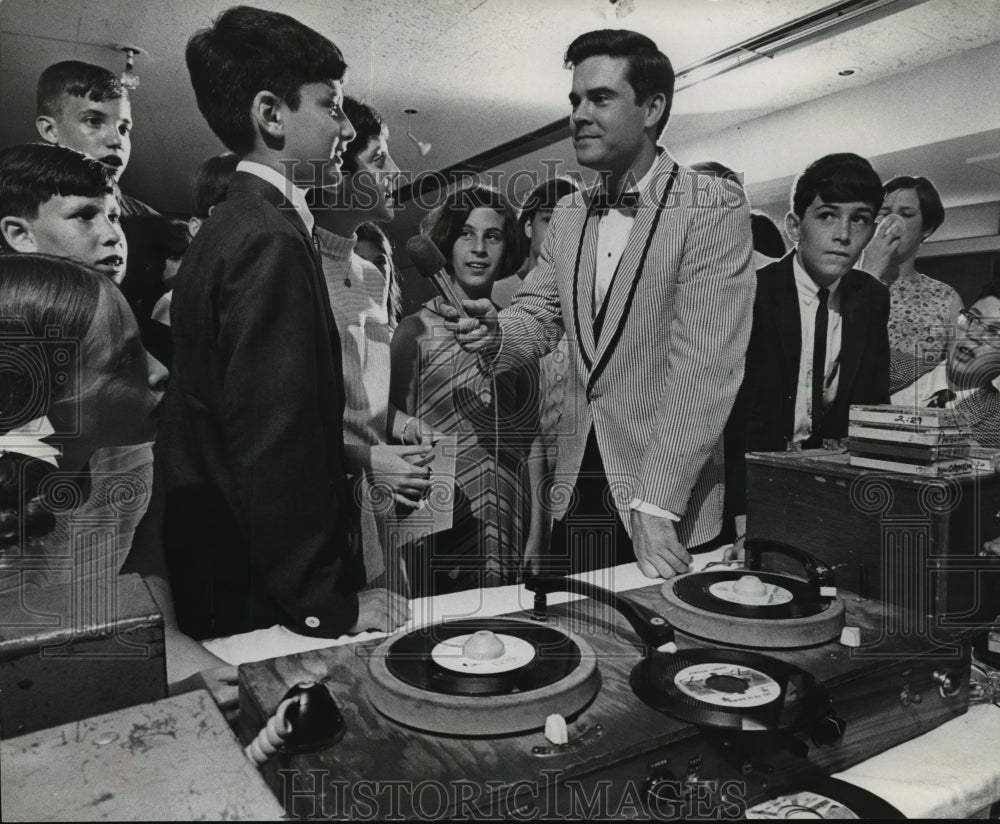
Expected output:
(32, 173)
(76, 79)
(837, 178)
(455, 212)
(545, 196)
(368, 125)
(649, 69)
(247, 50)
(212, 182)
(931, 207)
(767, 237)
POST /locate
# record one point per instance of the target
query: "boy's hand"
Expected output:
(480, 332)
(380, 609)
(883, 245)
(401, 470)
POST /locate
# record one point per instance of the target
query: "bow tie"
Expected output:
(626, 200)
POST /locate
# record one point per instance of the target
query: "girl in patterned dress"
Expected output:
(494, 418)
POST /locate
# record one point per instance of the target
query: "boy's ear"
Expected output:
(792, 227)
(48, 129)
(266, 114)
(17, 233)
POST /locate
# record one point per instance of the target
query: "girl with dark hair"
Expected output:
(922, 311)
(494, 419)
(374, 246)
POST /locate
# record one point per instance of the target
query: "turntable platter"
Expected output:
(761, 610)
(490, 676)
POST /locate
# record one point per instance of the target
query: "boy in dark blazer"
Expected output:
(259, 528)
(819, 341)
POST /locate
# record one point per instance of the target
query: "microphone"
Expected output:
(430, 264)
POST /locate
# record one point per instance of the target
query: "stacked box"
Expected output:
(927, 442)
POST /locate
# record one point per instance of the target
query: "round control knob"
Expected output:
(949, 683)
(483, 646)
(828, 730)
(750, 585)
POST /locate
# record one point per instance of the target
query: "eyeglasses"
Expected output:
(976, 327)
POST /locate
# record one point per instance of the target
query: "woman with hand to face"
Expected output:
(922, 310)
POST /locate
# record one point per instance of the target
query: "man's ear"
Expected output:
(17, 233)
(655, 105)
(194, 224)
(792, 227)
(267, 115)
(527, 229)
(48, 129)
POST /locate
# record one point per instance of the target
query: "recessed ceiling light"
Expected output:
(848, 71)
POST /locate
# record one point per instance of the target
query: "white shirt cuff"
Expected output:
(651, 509)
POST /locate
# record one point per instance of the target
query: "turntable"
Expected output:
(447, 720)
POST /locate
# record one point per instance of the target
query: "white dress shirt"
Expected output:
(294, 195)
(808, 293)
(612, 236)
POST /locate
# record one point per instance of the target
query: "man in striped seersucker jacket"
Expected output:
(650, 275)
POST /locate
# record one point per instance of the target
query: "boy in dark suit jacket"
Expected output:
(259, 528)
(819, 341)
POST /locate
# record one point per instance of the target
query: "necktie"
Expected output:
(819, 361)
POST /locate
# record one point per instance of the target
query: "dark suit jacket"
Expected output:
(763, 418)
(258, 526)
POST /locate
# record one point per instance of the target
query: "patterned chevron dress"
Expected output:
(494, 419)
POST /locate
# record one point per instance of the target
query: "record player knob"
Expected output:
(828, 730)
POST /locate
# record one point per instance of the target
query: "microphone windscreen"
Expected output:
(425, 255)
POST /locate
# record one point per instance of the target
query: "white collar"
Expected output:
(295, 195)
(807, 287)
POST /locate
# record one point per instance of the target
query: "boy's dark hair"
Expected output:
(211, 182)
(931, 207)
(456, 210)
(767, 237)
(77, 79)
(649, 69)
(368, 124)
(544, 197)
(33, 173)
(247, 50)
(837, 178)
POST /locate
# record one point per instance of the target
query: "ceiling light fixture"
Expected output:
(128, 78)
(811, 28)
(422, 147)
